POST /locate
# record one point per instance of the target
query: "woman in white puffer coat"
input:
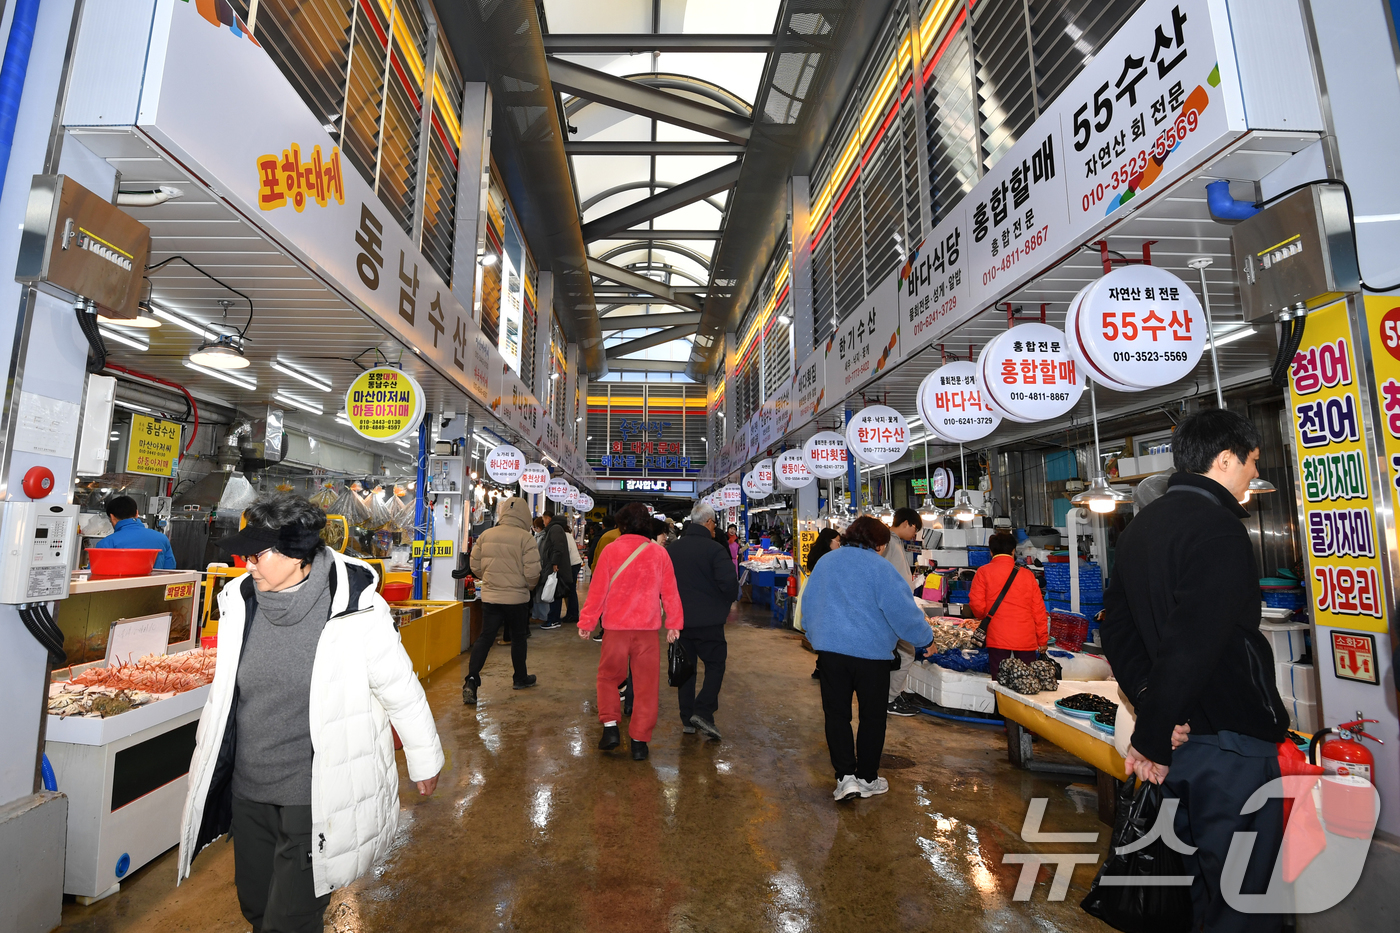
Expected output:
(294, 753)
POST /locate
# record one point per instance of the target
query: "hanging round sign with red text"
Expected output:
(790, 470)
(1030, 373)
(1141, 326)
(752, 488)
(825, 454)
(1077, 351)
(763, 475)
(534, 478)
(557, 490)
(732, 495)
(877, 434)
(952, 405)
(505, 464)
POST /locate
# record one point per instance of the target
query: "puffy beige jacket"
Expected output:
(505, 558)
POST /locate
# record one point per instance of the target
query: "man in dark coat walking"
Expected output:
(708, 587)
(554, 558)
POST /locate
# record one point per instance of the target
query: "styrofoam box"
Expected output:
(954, 538)
(1127, 466)
(1298, 681)
(1288, 639)
(1301, 714)
(949, 557)
(952, 689)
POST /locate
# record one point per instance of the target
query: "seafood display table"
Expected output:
(125, 777)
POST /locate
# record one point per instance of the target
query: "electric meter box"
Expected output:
(36, 550)
(1297, 249)
(77, 244)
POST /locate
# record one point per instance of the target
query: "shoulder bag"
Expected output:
(979, 637)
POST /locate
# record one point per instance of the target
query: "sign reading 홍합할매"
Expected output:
(1339, 522)
(384, 404)
(154, 446)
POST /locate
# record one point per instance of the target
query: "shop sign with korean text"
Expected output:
(154, 446)
(266, 154)
(790, 470)
(825, 454)
(440, 548)
(808, 388)
(1329, 439)
(951, 404)
(384, 404)
(534, 478)
(1383, 324)
(1030, 374)
(877, 434)
(505, 464)
(932, 284)
(1139, 326)
(866, 341)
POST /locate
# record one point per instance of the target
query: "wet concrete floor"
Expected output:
(533, 829)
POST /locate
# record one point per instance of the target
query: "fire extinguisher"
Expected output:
(1348, 801)
(792, 584)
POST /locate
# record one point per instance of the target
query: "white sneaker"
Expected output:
(873, 788)
(847, 787)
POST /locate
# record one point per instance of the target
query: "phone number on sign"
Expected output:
(1149, 356)
(1039, 396)
(1030, 244)
(1123, 176)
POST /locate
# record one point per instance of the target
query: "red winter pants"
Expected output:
(641, 650)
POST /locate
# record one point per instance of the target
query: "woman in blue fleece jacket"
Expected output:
(854, 609)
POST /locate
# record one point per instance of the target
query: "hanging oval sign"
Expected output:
(585, 502)
(572, 497)
(953, 405)
(942, 483)
(763, 475)
(1141, 326)
(877, 434)
(752, 489)
(1076, 349)
(731, 495)
(505, 464)
(384, 404)
(825, 454)
(790, 470)
(557, 490)
(534, 478)
(1031, 374)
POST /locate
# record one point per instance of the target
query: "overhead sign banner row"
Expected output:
(267, 155)
(1161, 96)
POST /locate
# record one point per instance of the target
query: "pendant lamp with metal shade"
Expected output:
(963, 509)
(1258, 484)
(223, 352)
(1100, 497)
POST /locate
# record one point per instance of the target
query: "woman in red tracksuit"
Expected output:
(1020, 629)
(632, 584)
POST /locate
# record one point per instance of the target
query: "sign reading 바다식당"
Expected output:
(1329, 436)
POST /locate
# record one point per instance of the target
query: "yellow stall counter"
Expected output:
(434, 637)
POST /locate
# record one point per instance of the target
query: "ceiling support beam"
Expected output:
(648, 366)
(676, 235)
(633, 321)
(641, 283)
(666, 42)
(650, 340)
(648, 101)
(673, 198)
(644, 147)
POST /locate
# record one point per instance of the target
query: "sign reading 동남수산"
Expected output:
(1329, 440)
(154, 446)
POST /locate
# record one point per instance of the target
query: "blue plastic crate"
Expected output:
(978, 556)
(761, 595)
(1285, 599)
(958, 597)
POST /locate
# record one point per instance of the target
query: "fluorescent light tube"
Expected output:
(126, 339)
(242, 382)
(1230, 336)
(316, 382)
(299, 403)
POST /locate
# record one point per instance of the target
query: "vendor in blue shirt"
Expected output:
(129, 532)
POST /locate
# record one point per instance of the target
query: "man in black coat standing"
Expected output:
(554, 558)
(1181, 629)
(708, 587)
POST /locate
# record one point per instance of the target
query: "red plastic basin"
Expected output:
(122, 561)
(396, 592)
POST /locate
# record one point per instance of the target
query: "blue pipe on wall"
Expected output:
(12, 74)
(1223, 206)
(50, 780)
(420, 503)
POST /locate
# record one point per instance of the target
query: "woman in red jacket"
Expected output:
(1020, 628)
(632, 584)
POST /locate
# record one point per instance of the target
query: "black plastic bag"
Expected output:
(680, 666)
(1140, 908)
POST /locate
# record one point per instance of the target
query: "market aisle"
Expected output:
(533, 829)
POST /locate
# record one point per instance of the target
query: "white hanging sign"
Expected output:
(866, 342)
(572, 497)
(534, 478)
(1077, 351)
(731, 495)
(1141, 326)
(825, 454)
(1030, 373)
(505, 464)
(877, 434)
(808, 388)
(585, 502)
(790, 470)
(931, 285)
(557, 490)
(952, 404)
(753, 489)
(763, 475)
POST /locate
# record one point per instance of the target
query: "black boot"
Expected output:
(612, 738)
(639, 751)
(468, 692)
